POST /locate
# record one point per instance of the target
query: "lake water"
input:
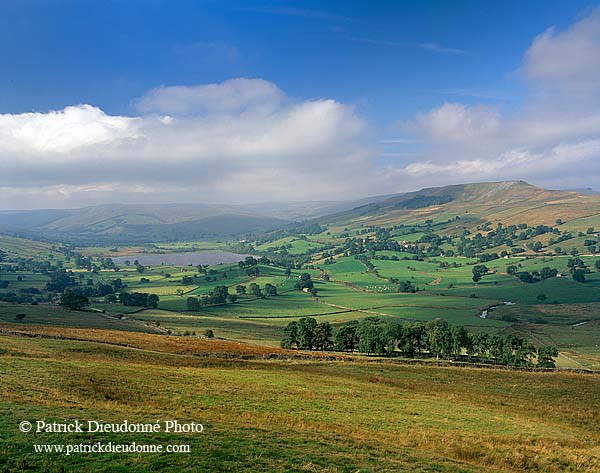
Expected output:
(182, 259)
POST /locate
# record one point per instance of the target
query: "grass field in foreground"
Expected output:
(294, 416)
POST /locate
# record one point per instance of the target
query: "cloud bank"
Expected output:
(240, 140)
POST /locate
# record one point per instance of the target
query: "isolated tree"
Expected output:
(597, 264)
(541, 298)
(479, 271)
(511, 270)
(209, 333)
(270, 290)
(305, 282)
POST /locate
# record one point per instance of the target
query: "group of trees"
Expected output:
(531, 277)
(307, 334)
(221, 295)
(437, 338)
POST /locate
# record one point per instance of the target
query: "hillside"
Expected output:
(364, 416)
(472, 206)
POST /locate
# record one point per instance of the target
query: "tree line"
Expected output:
(435, 338)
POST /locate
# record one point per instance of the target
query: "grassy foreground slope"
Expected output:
(282, 415)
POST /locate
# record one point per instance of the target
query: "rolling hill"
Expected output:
(506, 202)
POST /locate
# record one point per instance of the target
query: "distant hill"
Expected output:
(119, 223)
(507, 202)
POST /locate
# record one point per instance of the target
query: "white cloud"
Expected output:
(61, 132)
(459, 123)
(567, 60)
(243, 139)
(554, 137)
(232, 96)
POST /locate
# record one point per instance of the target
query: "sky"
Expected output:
(209, 101)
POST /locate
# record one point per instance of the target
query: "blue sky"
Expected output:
(57, 53)
(386, 63)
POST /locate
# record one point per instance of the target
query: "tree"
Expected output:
(74, 300)
(218, 295)
(413, 339)
(371, 336)
(193, 303)
(546, 355)
(240, 289)
(305, 282)
(579, 275)
(346, 338)
(511, 270)
(19, 317)
(597, 264)
(209, 333)
(547, 272)
(459, 339)
(291, 336)
(306, 332)
(480, 343)
(254, 290)
(525, 276)
(270, 290)
(479, 271)
(541, 298)
(438, 337)
(322, 336)
(153, 300)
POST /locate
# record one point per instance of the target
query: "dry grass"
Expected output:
(151, 342)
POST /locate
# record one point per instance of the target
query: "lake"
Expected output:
(182, 259)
